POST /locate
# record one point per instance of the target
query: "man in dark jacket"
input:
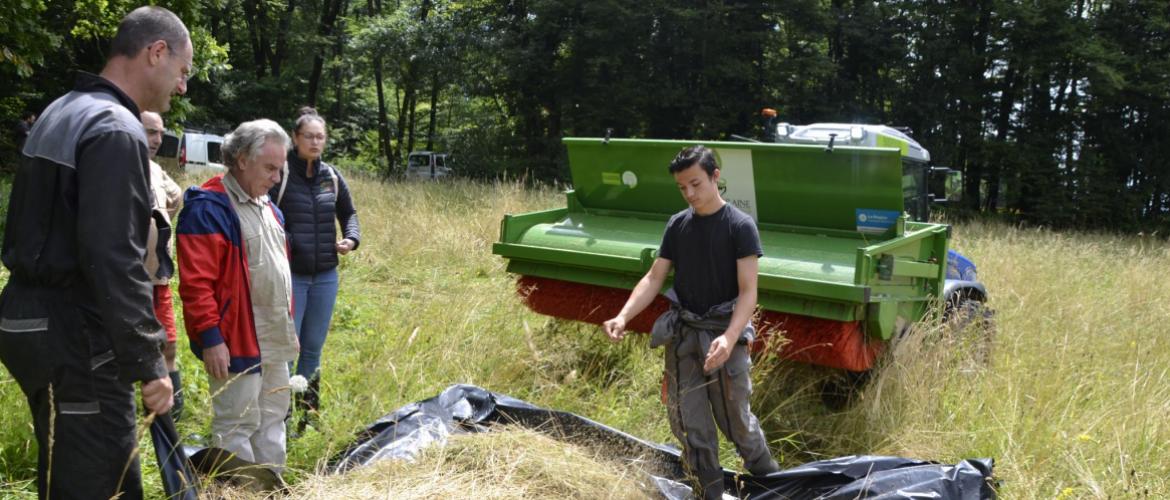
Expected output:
(77, 326)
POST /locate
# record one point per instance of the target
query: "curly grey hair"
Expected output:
(249, 138)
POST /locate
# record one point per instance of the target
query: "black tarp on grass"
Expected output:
(465, 408)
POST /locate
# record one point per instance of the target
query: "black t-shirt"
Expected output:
(703, 250)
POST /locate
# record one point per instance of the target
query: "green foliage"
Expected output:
(211, 57)
(484, 148)
(23, 40)
(211, 62)
(96, 20)
(1046, 106)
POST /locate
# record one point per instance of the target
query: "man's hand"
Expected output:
(718, 353)
(158, 394)
(345, 246)
(215, 359)
(616, 328)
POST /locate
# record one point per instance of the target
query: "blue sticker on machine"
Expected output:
(870, 221)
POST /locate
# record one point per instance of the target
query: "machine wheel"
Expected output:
(839, 392)
(970, 325)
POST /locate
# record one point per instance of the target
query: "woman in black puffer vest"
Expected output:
(312, 195)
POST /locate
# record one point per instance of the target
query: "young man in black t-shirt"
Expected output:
(714, 249)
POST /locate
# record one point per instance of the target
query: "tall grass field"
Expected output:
(1073, 403)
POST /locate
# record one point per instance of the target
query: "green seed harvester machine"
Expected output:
(849, 259)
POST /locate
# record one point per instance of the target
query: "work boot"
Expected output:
(177, 385)
(709, 485)
(310, 403)
(313, 395)
(309, 399)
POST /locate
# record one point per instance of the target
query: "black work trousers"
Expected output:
(83, 415)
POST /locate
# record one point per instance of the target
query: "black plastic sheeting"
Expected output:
(179, 481)
(403, 433)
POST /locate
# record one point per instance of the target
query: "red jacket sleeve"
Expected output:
(203, 250)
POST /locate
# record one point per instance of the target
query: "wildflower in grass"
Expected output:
(298, 383)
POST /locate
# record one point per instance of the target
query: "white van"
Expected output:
(200, 151)
(427, 165)
(194, 151)
(168, 152)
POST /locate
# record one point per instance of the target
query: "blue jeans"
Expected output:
(313, 299)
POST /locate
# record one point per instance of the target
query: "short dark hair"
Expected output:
(691, 155)
(305, 115)
(146, 25)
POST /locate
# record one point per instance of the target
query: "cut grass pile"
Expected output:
(512, 463)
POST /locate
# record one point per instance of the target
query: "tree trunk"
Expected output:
(265, 39)
(434, 107)
(375, 8)
(315, 80)
(228, 25)
(400, 103)
(214, 21)
(971, 108)
(410, 100)
(1003, 125)
(325, 30)
(338, 49)
(252, 20)
(282, 38)
(383, 126)
(1038, 191)
(410, 122)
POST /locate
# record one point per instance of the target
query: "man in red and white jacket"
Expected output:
(237, 294)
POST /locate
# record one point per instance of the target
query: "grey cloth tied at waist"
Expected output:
(678, 321)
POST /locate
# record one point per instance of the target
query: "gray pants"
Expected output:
(249, 412)
(697, 403)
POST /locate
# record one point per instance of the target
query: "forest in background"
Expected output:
(1056, 111)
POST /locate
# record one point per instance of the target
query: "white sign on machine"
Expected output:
(737, 181)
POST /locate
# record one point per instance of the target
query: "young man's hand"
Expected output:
(215, 359)
(644, 293)
(616, 329)
(718, 353)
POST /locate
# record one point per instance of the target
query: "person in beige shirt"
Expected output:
(237, 302)
(168, 198)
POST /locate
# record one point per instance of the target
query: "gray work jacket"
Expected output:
(678, 321)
